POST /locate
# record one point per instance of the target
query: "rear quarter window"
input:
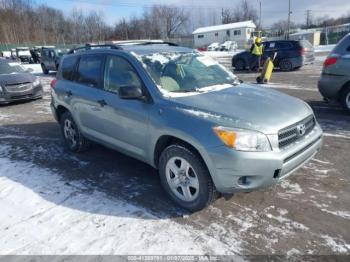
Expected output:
(68, 67)
(343, 45)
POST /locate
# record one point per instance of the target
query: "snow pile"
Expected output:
(216, 54)
(43, 214)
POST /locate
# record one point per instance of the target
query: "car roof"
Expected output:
(138, 47)
(156, 48)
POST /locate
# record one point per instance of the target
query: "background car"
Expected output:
(17, 84)
(291, 55)
(50, 58)
(335, 78)
(228, 46)
(23, 54)
(214, 47)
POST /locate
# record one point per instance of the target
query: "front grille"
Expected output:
(293, 133)
(23, 87)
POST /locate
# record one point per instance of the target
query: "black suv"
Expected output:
(291, 55)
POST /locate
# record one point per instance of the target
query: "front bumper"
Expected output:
(234, 171)
(33, 93)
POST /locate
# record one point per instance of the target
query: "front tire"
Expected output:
(285, 65)
(239, 65)
(185, 178)
(345, 98)
(72, 136)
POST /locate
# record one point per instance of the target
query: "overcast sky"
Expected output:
(272, 10)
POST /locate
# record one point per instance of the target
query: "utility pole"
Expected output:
(288, 25)
(308, 18)
(260, 23)
(222, 15)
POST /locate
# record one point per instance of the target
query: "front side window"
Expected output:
(119, 72)
(89, 70)
(186, 72)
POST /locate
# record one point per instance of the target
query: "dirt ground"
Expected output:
(307, 213)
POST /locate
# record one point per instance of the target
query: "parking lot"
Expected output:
(107, 203)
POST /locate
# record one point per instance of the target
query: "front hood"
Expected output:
(245, 106)
(13, 79)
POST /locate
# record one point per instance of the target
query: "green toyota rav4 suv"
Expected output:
(184, 114)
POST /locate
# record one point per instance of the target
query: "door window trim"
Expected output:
(100, 81)
(143, 86)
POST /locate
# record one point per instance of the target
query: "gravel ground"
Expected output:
(307, 213)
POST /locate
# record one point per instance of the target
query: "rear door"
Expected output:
(86, 93)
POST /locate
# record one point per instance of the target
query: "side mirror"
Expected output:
(130, 92)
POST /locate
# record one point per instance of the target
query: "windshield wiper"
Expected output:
(188, 90)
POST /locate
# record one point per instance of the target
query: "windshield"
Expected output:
(11, 68)
(175, 72)
(61, 53)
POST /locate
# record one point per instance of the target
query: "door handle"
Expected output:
(102, 102)
(69, 93)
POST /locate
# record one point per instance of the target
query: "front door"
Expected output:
(126, 122)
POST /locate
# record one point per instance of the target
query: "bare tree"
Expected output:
(245, 11)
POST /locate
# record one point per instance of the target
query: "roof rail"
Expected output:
(92, 46)
(142, 42)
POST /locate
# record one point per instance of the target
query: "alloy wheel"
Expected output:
(70, 133)
(182, 179)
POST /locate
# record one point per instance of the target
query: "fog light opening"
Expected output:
(244, 181)
(277, 173)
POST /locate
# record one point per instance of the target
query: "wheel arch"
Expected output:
(346, 85)
(60, 110)
(166, 140)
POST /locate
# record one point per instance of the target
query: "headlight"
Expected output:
(36, 82)
(243, 140)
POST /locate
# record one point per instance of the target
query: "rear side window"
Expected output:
(89, 70)
(68, 67)
(342, 46)
(284, 45)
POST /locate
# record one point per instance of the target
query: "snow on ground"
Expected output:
(41, 213)
(324, 48)
(35, 67)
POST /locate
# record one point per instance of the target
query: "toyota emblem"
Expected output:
(301, 129)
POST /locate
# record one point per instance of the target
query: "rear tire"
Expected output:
(345, 98)
(285, 65)
(185, 178)
(72, 136)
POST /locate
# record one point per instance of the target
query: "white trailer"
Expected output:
(239, 32)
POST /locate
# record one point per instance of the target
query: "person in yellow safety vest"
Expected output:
(256, 51)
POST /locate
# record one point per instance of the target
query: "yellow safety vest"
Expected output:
(257, 50)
